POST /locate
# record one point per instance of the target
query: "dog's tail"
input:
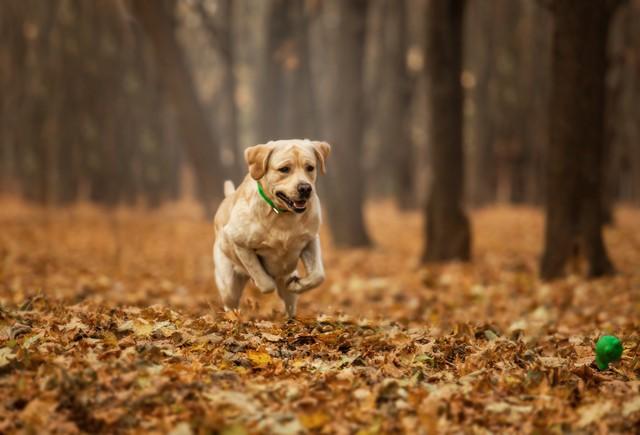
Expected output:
(229, 188)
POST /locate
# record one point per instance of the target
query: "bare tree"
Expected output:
(574, 213)
(398, 87)
(286, 104)
(220, 30)
(480, 156)
(448, 236)
(197, 135)
(342, 90)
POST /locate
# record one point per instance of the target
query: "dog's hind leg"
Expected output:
(290, 299)
(231, 298)
(230, 284)
(229, 188)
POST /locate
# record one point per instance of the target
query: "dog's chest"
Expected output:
(280, 248)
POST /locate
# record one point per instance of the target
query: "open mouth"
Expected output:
(298, 206)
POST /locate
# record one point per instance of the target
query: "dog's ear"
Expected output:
(257, 158)
(322, 150)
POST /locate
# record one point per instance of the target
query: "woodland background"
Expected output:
(482, 228)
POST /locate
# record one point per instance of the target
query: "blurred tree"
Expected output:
(627, 127)
(397, 89)
(286, 104)
(622, 165)
(574, 213)
(220, 30)
(448, 236)
(535, 44)
(480, 160)
(85, 101)
(506, 77)
(343, 118)
(33, 126)
(198, 137)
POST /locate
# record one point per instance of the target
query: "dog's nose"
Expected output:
(304, 189)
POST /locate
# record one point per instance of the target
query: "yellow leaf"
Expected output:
(31, 340)
(110, 339)
(374, 429)
(241, 370)
(259, 359)
(314, 420)
(140, 327)
(234, 429)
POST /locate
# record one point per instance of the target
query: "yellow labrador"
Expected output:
(270, 222)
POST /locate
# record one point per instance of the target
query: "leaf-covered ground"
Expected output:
(109, 323)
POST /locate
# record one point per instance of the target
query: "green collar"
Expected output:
(268, 200)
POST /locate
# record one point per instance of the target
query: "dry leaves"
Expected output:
(110, 323)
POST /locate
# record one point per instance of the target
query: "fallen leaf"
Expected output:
(271, 337)
(31, 340)
(37, 412)
(259, 359)
(500, 407)
(181, 429)
(314, 420)
(76, 325)
(550, 361)
(139, 327)
(234, 429)
(630, 407)
(593, 412)
(6, 355)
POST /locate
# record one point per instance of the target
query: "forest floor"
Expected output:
(109, 322)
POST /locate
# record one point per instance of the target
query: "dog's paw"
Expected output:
(295, 287)
(293, 283)
(300, 285)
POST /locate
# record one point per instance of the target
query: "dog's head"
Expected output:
(288, 169)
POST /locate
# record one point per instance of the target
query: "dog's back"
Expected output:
(222, 215)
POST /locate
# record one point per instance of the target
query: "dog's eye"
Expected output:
(284, 169)
(309, 168)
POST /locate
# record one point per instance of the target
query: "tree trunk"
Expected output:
(220, 31)
(574, 212)
(198, 138)
(304, 114)
(229, 91)
(448, 236)
(480, 182)
(536, 90)
(395, 132)
(284, 81)
(629, 184)
(271, 78)
(344, 115)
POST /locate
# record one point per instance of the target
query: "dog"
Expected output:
(270, 222)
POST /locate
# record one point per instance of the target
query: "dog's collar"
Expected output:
(268, 200)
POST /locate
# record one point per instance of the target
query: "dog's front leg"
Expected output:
(251, 263)
(312, 259)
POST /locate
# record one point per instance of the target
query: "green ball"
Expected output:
(608, 349)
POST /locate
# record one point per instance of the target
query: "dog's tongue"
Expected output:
(299, 204)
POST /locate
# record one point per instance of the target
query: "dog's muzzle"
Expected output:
(296, 205)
